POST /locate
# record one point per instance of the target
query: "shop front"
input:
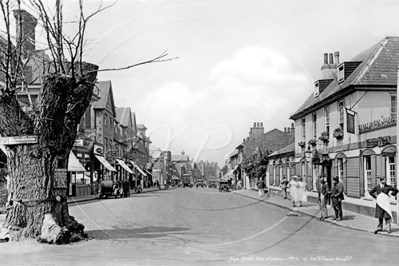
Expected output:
(140, 175)
(78, 178)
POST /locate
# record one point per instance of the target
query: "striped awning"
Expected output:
(105, 163)
(122, 163)
(138, 168)
(74, 164)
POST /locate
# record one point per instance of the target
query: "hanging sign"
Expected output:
(18, 140)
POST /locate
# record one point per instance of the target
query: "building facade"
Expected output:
(347, 126)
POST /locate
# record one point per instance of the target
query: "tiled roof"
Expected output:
(287, 149)
(123, 115)
(104, 87)
(379, 65)
(179, 158)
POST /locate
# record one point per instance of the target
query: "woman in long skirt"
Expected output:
(301, 191)
(293, 185)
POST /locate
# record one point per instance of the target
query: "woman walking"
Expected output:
(302, 196)
(293, 185)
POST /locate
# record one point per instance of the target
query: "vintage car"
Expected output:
(212, 184)
(223, 185)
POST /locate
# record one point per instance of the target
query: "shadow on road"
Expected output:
(134, 233)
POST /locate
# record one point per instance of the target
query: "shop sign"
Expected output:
(381, 141)
(60, 178)
(18, 140)
(78, 142)
(98, 149)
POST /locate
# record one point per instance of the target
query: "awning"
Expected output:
(231, 172)
(122, 163)
(175, 178)
(105, 163)
(138, 168)
(74, 164)
(148, 172)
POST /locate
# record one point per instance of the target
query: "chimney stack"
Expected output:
(25, 25)
(328, 69)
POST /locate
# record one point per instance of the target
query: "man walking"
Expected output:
(284, 184)
(322, 190)
(337, 195)
(261, 187)
(381, 192)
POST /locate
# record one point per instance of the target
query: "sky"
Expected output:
(238, 62)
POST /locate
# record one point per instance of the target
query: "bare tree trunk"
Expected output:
(61, 104)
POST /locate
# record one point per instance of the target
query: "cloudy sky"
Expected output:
(239, 62)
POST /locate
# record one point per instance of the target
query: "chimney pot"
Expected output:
(254, 124)
(331, 59)
(292, 125)
(261, 124)
(336, 55)
(326, 59)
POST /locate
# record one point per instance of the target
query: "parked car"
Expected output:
(212, 184)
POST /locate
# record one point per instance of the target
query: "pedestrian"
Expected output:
(382, 192)
(337, 195)
(261, 187)
(283, 185)
(239, 186)
(302, 192)
(293, 185)
(323, 198)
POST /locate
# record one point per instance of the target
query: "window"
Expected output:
(367, 171)
(105, 120)
(340, 168)
(314, 118)
(106, 145)
(327, 119)
(303, 129)
(391, 171)
(110, 122)
(316, 89)
(393, 106)
(341, 75)
(341, 111)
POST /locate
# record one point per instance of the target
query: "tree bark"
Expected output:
(62, 102)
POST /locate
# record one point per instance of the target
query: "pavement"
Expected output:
(350, 220)
(89, 198)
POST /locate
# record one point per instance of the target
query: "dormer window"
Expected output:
(316, 89)
(341, 74)
(346, 69)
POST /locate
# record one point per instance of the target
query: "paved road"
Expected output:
(202, 227)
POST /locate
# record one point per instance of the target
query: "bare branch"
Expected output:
(157, 59)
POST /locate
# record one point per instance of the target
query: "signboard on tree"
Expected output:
(60, 178)
(18, 140)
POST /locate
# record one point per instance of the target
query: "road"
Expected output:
(202, 227)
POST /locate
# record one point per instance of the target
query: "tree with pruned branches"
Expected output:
(66, 87)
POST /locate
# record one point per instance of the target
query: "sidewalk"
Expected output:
(350, 220)
(88, 198)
